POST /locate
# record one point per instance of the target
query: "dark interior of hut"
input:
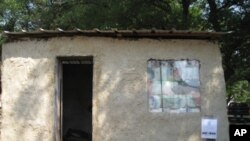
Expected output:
(77, 101)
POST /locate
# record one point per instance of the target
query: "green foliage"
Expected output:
(103, 14)
(239, 91)
(2, 40)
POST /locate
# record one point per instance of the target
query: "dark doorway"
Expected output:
(76, 113)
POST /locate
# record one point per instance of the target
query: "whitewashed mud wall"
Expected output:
(120, 100)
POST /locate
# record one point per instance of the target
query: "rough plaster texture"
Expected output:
(120, 110)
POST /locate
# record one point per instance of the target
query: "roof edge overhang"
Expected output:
(145, 33)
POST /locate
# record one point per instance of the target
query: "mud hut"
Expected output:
(116, 85)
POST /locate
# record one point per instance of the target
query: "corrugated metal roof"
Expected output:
(145, 33)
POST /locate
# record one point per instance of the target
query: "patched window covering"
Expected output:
(173, 86)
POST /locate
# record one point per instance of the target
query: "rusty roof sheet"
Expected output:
(142, 33)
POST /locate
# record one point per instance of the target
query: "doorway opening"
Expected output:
(76, 98)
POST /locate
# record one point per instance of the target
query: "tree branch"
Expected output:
(226, 4)
(161, 4)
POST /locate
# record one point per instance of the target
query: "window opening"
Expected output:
(173, 85)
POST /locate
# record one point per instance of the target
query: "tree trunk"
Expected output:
(213, 15)
(185, 13)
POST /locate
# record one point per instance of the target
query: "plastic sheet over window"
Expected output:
(173, 86)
